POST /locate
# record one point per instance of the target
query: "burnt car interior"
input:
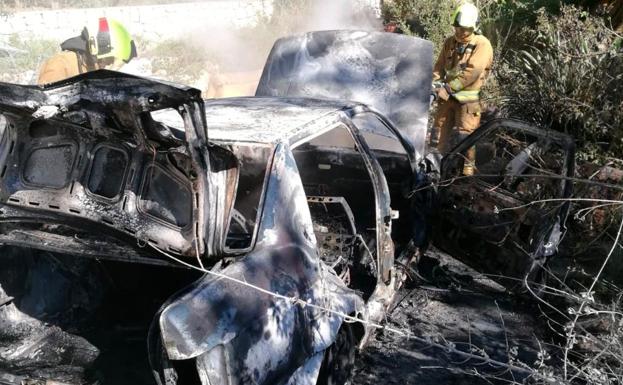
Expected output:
(393, 159)
(387, 149)
(341, 198)
(512, 167)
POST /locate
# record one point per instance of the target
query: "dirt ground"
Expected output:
(451, 303)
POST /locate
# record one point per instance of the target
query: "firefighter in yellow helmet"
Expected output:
(107, 45)
(460, 72)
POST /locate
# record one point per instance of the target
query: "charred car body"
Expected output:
(290, 196)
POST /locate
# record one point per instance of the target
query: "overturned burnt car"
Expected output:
(248, 229)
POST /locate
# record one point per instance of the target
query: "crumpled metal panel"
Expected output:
(269, 338)
(390, 72)
(308, 374)
(52, 137)
(30, 346)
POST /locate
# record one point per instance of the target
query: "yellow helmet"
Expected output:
(111, 40)
(466, 16)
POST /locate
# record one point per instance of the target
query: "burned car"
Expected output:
(286, 195)
(238, 237)
(308, 206)
(514, 208)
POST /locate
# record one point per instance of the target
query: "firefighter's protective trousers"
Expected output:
(455, 120)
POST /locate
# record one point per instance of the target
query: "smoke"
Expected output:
(227, 61)
(248, 47)
(288, 17)
(341, 14)
(240, 54)
(212, 46)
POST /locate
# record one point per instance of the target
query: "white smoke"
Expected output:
(235, 56)
(226, 50)
(342, 14)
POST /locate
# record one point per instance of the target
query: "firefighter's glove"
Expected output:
(442, 93)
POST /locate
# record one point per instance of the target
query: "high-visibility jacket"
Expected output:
(464, 66)
(63, 65)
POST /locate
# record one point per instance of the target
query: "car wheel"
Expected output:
(339, 358)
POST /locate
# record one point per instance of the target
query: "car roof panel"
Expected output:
(266, 119)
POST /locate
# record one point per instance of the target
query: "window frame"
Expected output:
(143, 188)
(260, 208)
(122, 186)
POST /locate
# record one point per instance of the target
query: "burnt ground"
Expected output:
(451, 304)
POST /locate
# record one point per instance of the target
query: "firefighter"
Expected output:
(460, 72)
(109, 45)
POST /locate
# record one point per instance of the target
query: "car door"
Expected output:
(510, 213)
(394, 153)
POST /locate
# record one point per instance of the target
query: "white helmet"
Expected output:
(466, 16)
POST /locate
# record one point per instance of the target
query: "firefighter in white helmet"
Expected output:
(105, 45)
(460, 72)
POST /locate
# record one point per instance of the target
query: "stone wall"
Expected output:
(150, 21)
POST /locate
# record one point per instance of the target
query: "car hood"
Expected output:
(389, 72)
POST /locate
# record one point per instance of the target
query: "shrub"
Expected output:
(430, 19)
(23, 67)
(569, 78)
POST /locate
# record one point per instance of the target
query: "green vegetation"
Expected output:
(171, 58)
(23, 67)
(427, 19)
(557, 64)
(569, 76)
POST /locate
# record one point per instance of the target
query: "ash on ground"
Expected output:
(454, 306)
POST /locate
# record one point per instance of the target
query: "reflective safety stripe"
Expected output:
(452, 73)
(456, 85)
(467, 96)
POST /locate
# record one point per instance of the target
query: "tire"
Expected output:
(339, 358)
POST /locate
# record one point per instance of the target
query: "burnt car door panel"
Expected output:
(401, 171)
(341, 196)
(339, 163)
(323, 235)
(509, 208)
